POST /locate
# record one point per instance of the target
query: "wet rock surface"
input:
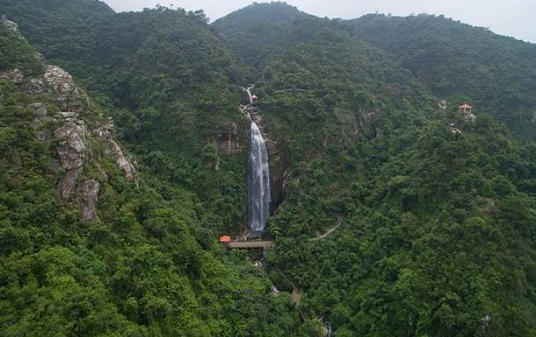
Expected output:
(228, 139)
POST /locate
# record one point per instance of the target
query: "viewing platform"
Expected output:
(229, 243)
(250, 244)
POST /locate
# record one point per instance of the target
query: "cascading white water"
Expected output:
(250, 96)
(258, 180)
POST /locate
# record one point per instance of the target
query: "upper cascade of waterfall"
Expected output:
(258, 176)
(250, 95)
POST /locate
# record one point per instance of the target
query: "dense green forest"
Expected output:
(457, 61)
(150, 265)
(436, 208)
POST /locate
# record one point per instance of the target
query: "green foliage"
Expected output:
(150, 266)
(425, 248)
(255, 33)
(51, 24)
(461, 63)
(437, 237)
(16, 53)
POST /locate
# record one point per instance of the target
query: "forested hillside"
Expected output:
(52, 24)
(436, 207)
(460, 62)
(255, 39)
(392, 216)
(145, 262)
(171, 85)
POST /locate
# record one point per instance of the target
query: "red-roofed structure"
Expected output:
(225, 239)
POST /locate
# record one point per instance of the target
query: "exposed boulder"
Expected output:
(442, 105)
(68, 182)
(40, 110)
(72, 153)
(12, 26)
(14, 76)
(43, 135)
(61, 82)
(105, 133)
(125, 163)
(90, 195)
(379, 133)
(454, 130)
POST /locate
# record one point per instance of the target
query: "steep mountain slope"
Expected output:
(437, 235)
(50, 24)
(337, 86)
(460, 62)
(436, 208)
(88, 247)
(173, 82)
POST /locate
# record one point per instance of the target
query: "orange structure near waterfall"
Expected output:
(225, 239)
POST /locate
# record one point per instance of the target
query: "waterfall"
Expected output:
(258, 179)
(250, 96)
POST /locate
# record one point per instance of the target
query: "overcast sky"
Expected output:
(515, 18)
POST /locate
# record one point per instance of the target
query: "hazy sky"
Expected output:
(515, 18)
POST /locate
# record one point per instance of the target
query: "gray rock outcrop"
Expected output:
(67, 183)
(14, 76)
(72, 151)
(12, 26)
(126, 163)
(40, 119)
(90, 196)
(76, 131)
(228, 138)
(73, 134)
(442, 105)
(60, 82)
(40, 110)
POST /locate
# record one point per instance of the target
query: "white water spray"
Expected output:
(258, 180)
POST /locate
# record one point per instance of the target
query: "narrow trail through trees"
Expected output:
(329, 232)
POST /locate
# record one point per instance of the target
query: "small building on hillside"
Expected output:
(225, 239)
(467, 111)
(254, 99)
(466, 108)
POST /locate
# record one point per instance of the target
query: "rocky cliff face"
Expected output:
(228, 137)
(64, 120)
(12, 26)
